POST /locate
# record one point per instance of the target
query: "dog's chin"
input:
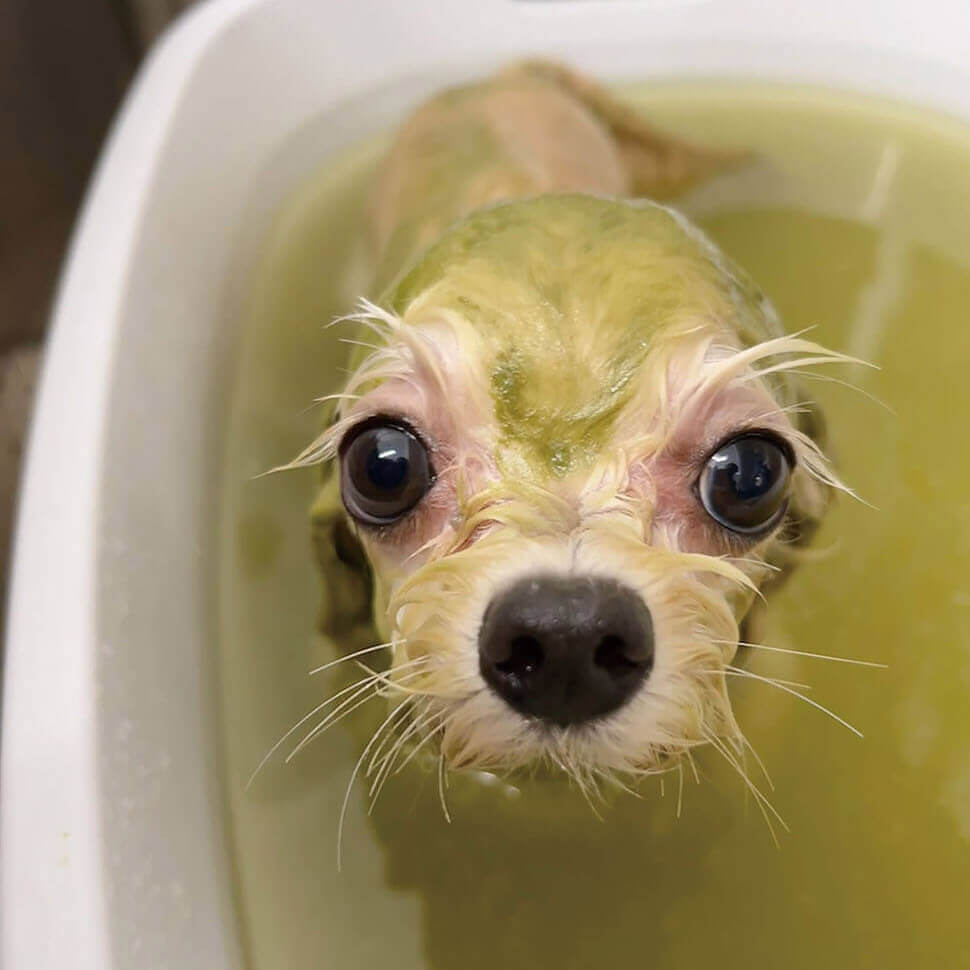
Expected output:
(672, 713)
(484, 735)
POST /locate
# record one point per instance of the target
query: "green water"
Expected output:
(857, 222)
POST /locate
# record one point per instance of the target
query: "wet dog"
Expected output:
(571, 452)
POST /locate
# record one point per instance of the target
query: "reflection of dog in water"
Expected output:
(570, 451)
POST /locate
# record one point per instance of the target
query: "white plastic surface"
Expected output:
(114, 850)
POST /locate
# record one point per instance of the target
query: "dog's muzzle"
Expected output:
(566, 649)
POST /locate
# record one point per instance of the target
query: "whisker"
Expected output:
(829, 379)
(351, 656)
(335, 715)
(760, 797)
(383, 767)
(441, 788)
(762, 800)
(385, 677)
(368, 692)
(387, 763)
(306, 717)
(757, 758)
(693, 766)
(353, 777)
(730, 671)
(584, 790)
(378, 751)
(612, 779)
(808, 700)
(446, 715)
(803, 653)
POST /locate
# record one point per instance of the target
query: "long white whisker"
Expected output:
(387, 763)
(610, 779)
(335, 715)
(757, 757)
(386, 677)
(306, 717)
(368, 692)
(353, 777)
(730, 671)
(441, 788)
(808, 700)
(829, 379)
(380, 761)
(760, 797)
(803, 653)
(689, 755)
(446, 715)
(762, 800)
(351, 656)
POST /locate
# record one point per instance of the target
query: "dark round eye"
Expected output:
(744, 485)
(384, 472)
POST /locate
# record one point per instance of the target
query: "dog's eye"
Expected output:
(384, 472)
(744, 485)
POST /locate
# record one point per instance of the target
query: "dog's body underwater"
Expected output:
(570, 451)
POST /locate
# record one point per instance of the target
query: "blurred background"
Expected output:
(64, 68)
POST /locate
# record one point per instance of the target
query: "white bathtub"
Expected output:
(114, 849)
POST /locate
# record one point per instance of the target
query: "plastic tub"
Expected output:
(114, 849)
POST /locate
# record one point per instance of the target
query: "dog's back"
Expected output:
(534, 129)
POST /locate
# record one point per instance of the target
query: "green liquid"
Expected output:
(857, 223)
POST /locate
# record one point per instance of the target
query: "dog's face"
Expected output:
(571, 455)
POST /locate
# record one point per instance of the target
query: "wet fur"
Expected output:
(424, 591)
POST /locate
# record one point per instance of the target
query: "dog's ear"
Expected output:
(659, 165)
(345, 609)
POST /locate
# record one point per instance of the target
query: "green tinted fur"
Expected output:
(568, 294)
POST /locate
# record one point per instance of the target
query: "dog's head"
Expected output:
(571, 453)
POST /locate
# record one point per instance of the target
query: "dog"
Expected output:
(571, 453)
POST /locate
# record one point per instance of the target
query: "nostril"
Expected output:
(611, 655)
(525, 657)
(565, 649)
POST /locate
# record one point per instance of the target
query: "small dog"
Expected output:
(570, 453)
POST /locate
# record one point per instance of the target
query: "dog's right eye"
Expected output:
(384, 471)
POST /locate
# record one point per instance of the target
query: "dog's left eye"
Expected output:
(744, 485)
(384, 472)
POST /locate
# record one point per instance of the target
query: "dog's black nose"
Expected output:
(566, 650)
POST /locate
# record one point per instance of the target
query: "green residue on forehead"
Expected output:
(508, 383)
(554, 407)
(568, 295)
